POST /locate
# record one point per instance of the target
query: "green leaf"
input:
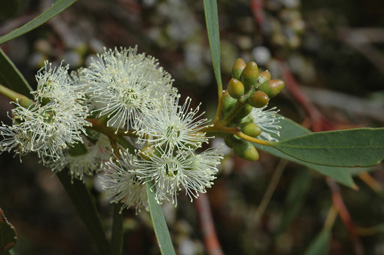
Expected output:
(320, 245)
(159, 224)
(212, 21)
(83, 202)
(360, 147)
(7, 234)
(55, 9)
(117, 231)
(289, 130)
(11, 77)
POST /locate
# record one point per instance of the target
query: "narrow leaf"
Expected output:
(11, 77)
(83, 202)
(320, 244)
(212, 21)
(7, 234)
(360, 147)
(290, 129)
(117, 231)
(159, 224)
(55, 9)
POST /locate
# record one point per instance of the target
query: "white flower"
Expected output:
(89, 158)
(123, 85)
(121, 184)
(46, 130)
(171, 173)
(173, 127)
(268, 121)
(54, 83)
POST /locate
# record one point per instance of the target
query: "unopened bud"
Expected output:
(247, 151)
(249, 75)
(258, 99)
(235, 88)
(238, 68)
(264, 76)
(228, 102)
(272, 87)
(251, 129)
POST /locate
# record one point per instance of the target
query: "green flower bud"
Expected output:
(228, 140)
(251, 129)
(228, 102)
(249, 75)
(247, 151)
(272, 87)
(235, 88)
(238, 68)
(264, 76)
(258, 99)
(243, 112)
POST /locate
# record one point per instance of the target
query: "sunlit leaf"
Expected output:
(289, 130)
(360, 147)
(212, 21)
(159, 224)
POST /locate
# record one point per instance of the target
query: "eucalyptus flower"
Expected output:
(268, 121)
(172, 126)
(185, 170)
(125, 85)
(121, 184)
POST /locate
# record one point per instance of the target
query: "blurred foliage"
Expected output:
(332, 45)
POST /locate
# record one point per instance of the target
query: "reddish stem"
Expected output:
(258, 11)
(338, 202)
(208, 228)
(318, 121)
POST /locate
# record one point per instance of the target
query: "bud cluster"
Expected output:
(247, 95)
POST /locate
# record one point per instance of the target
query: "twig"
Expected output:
(210, 237)
(271, 188)
(344, 215)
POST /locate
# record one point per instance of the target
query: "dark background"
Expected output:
(334, 49)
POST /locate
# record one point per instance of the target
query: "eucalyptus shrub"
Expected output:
(121, 116)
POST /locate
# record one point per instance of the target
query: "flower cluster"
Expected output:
(131, 98)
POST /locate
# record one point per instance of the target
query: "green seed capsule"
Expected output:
(238, 68)
(235, 88)
(251, 129)
(247, 151)
(264, 76)
(258, 99)
(228, 102)
(250, 75)
(272, 87)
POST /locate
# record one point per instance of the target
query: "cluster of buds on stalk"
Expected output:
(247, 95)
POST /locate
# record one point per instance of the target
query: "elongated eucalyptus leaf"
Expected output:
(290, 129)
(83, 202)
(11, 77)
(360, 147)
(212, 21)
(320, 244)
(7, 234)
(54, 10)
(159, 224)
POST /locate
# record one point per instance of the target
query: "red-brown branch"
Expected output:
(211, 242)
